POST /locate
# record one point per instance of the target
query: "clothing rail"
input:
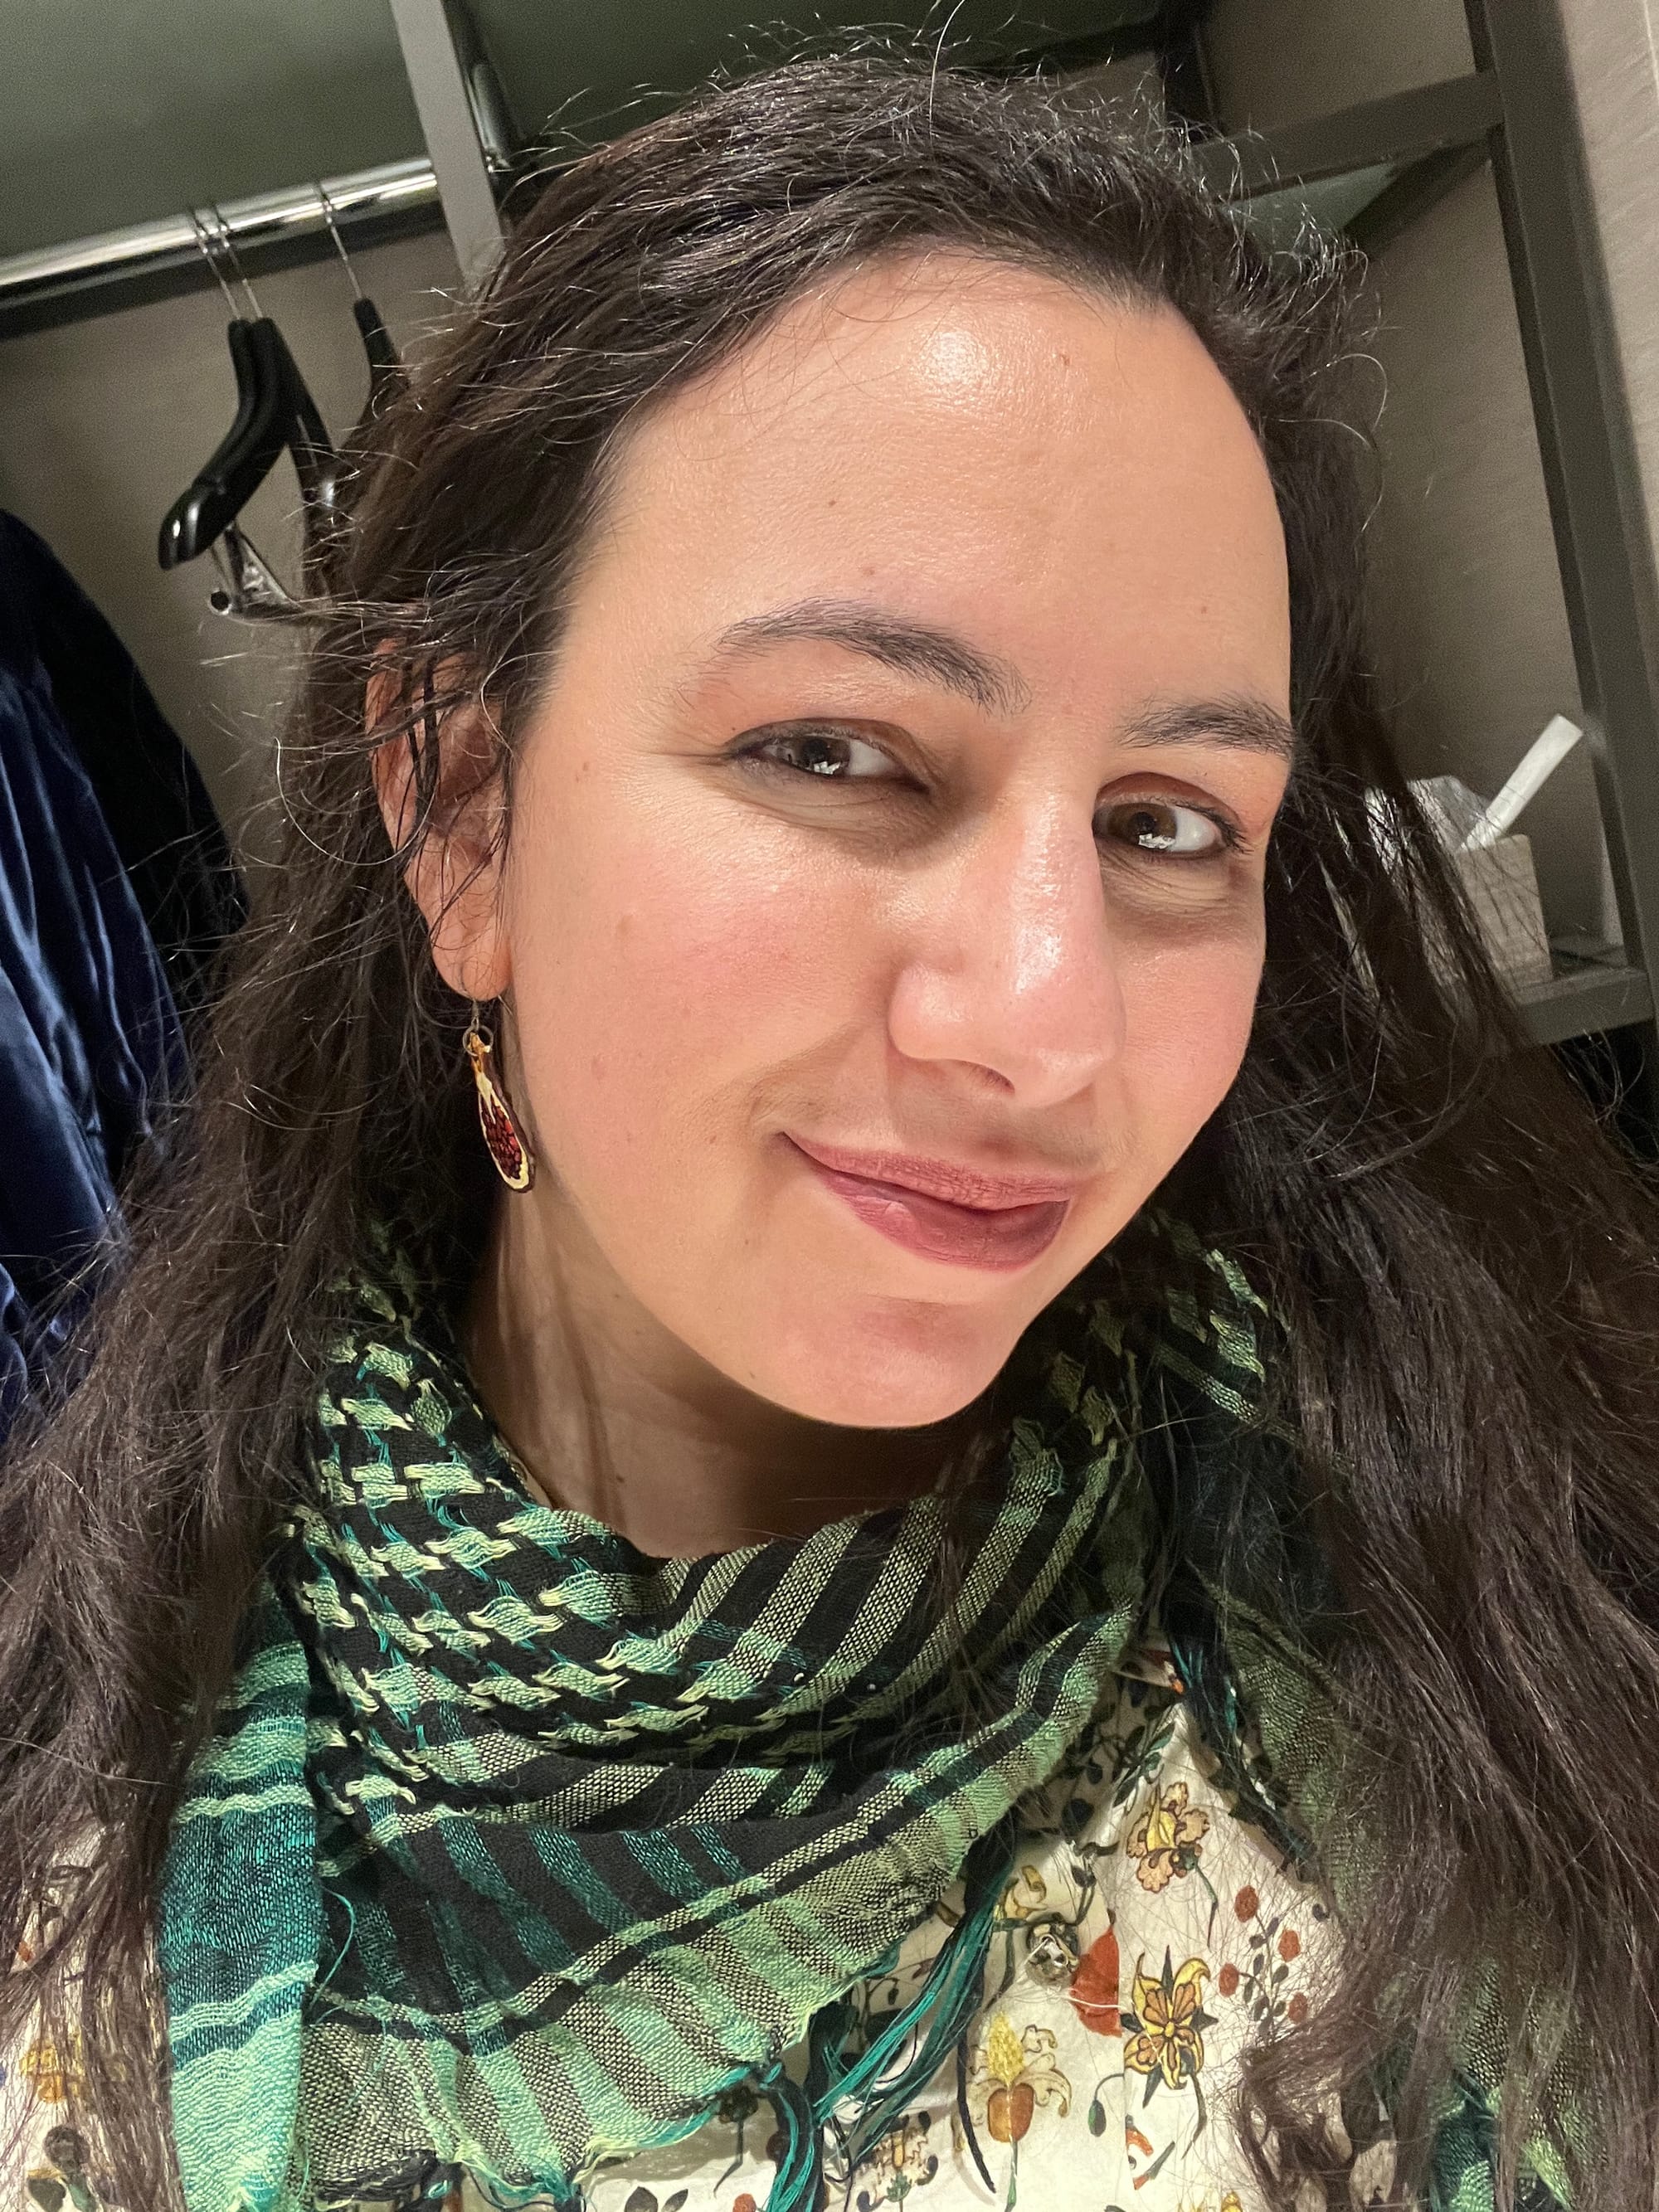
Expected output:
(254, 226)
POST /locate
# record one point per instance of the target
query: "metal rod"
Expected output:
(451, 130)
(261, 220)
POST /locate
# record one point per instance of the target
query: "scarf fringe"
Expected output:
(945, 2003)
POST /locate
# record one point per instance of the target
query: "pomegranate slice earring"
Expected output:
(514, 1161)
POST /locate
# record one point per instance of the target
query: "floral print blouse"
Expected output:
(1148, 1933)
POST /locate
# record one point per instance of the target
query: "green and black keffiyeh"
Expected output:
(513, 1849)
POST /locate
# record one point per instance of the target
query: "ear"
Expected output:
(453, 872)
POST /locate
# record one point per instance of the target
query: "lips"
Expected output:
(959, 1186)
(998, 1238)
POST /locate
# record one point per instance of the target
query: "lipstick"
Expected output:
(998, 1238)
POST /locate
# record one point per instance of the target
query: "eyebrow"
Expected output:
(1238, 719)
(995, 686)
(912, 647)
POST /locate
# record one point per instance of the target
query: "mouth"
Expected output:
(972, 1188)
(998, 1238)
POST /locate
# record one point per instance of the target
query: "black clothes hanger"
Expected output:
(387, 375)
(386, 379)
(275, 413)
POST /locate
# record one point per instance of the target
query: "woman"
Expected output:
(1009, 1551)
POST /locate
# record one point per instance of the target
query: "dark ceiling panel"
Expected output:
(595, 65)
(121, 111)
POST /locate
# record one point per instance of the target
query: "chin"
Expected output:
(900, 1365)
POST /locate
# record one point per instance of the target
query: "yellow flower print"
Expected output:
(1167, 2023)
(1024, 1894)
(1012, 2074)
(1165, 1839)
(52, 2075)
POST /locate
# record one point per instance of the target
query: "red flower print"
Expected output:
(1247, 1904)
(1289, 1943)
(1227, 1980)
(1095, 1986)
(744, 2203)
(1298, 2008)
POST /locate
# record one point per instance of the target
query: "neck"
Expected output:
(614, 1417)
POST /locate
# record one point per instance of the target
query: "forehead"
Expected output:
(965, 430)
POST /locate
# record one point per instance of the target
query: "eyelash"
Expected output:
(754, 755)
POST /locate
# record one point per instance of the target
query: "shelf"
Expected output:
(1583, 996)
(1405, 127)
(1368, 170)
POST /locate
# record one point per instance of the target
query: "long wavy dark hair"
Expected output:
(1464, 1255)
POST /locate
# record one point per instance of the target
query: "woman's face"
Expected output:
(902, 787)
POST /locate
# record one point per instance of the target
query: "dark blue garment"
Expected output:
(157, 807)
(90, 1040)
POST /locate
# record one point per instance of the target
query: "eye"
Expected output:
(829, 753)
(1159, 827)
(820, 748)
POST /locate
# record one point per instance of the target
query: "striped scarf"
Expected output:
(514, 1850)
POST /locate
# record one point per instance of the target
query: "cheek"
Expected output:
(1188, 1011)
(659, 975)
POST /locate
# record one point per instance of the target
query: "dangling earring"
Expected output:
(514, 1161)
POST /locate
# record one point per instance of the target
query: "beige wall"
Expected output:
(104, 422)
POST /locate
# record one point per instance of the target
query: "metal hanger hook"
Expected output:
(204, 240)
(229, 244)
(248, 585)
(334, 232)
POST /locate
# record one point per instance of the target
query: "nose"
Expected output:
(1010, 967)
